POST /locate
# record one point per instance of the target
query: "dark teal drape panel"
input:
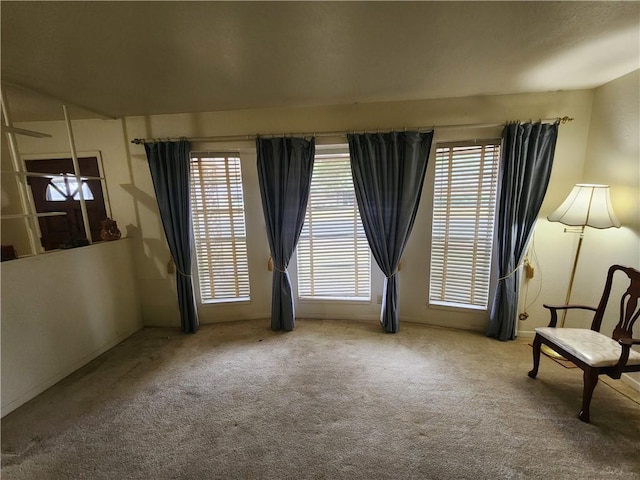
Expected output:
(388, 173)
(526, 158)
(284, 173)
(169, 165)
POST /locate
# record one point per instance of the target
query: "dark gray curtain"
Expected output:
(284, 173)
(169, 165)
(526, 158)
(388, 173)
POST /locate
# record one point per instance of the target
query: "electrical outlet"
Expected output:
(380, 299)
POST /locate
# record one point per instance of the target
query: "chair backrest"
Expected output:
(629, 303)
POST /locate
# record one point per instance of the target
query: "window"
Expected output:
(464, 205)
(56, 198)
(220, 236)
(61, 189)
(333, 253)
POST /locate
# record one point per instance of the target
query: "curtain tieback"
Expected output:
(271, 266)
(511, 273)
(397, 270)
(182, 273)
(171, 268)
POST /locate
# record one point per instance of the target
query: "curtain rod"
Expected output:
(237, 138)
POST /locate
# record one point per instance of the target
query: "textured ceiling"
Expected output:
(141, 58)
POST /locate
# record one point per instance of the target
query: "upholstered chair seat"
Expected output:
(593, 348)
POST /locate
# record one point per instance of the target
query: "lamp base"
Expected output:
(549, 352)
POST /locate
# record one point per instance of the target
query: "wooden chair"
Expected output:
(593, 352)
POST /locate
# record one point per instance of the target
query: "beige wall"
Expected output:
(134, 206)
(61, 310)
(413, 279)
(613, 158)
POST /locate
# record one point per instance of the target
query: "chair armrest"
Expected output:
(554, 311)
(625, 343)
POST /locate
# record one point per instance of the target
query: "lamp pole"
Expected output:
(573, 275)
(548, 351)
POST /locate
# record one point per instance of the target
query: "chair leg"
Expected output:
(536, 356)
(590, 381)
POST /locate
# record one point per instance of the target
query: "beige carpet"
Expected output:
(330, 400)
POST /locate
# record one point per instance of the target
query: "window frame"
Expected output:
(196, 274)
(490, 240)
(326, 152)
(32, 219)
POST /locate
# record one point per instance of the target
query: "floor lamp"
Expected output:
(587, 205)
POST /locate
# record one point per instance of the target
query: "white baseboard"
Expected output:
(458, 325)
(327, 316)
(38, 389)
(526, 333)
(632, 382)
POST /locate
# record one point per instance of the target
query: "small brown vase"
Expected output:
(109, 230)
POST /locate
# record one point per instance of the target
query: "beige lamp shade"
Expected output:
(587, 205)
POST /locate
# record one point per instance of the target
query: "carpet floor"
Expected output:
(330, 400)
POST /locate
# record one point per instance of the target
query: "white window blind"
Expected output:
(464, 206)
(333, 253)
(220, 237)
